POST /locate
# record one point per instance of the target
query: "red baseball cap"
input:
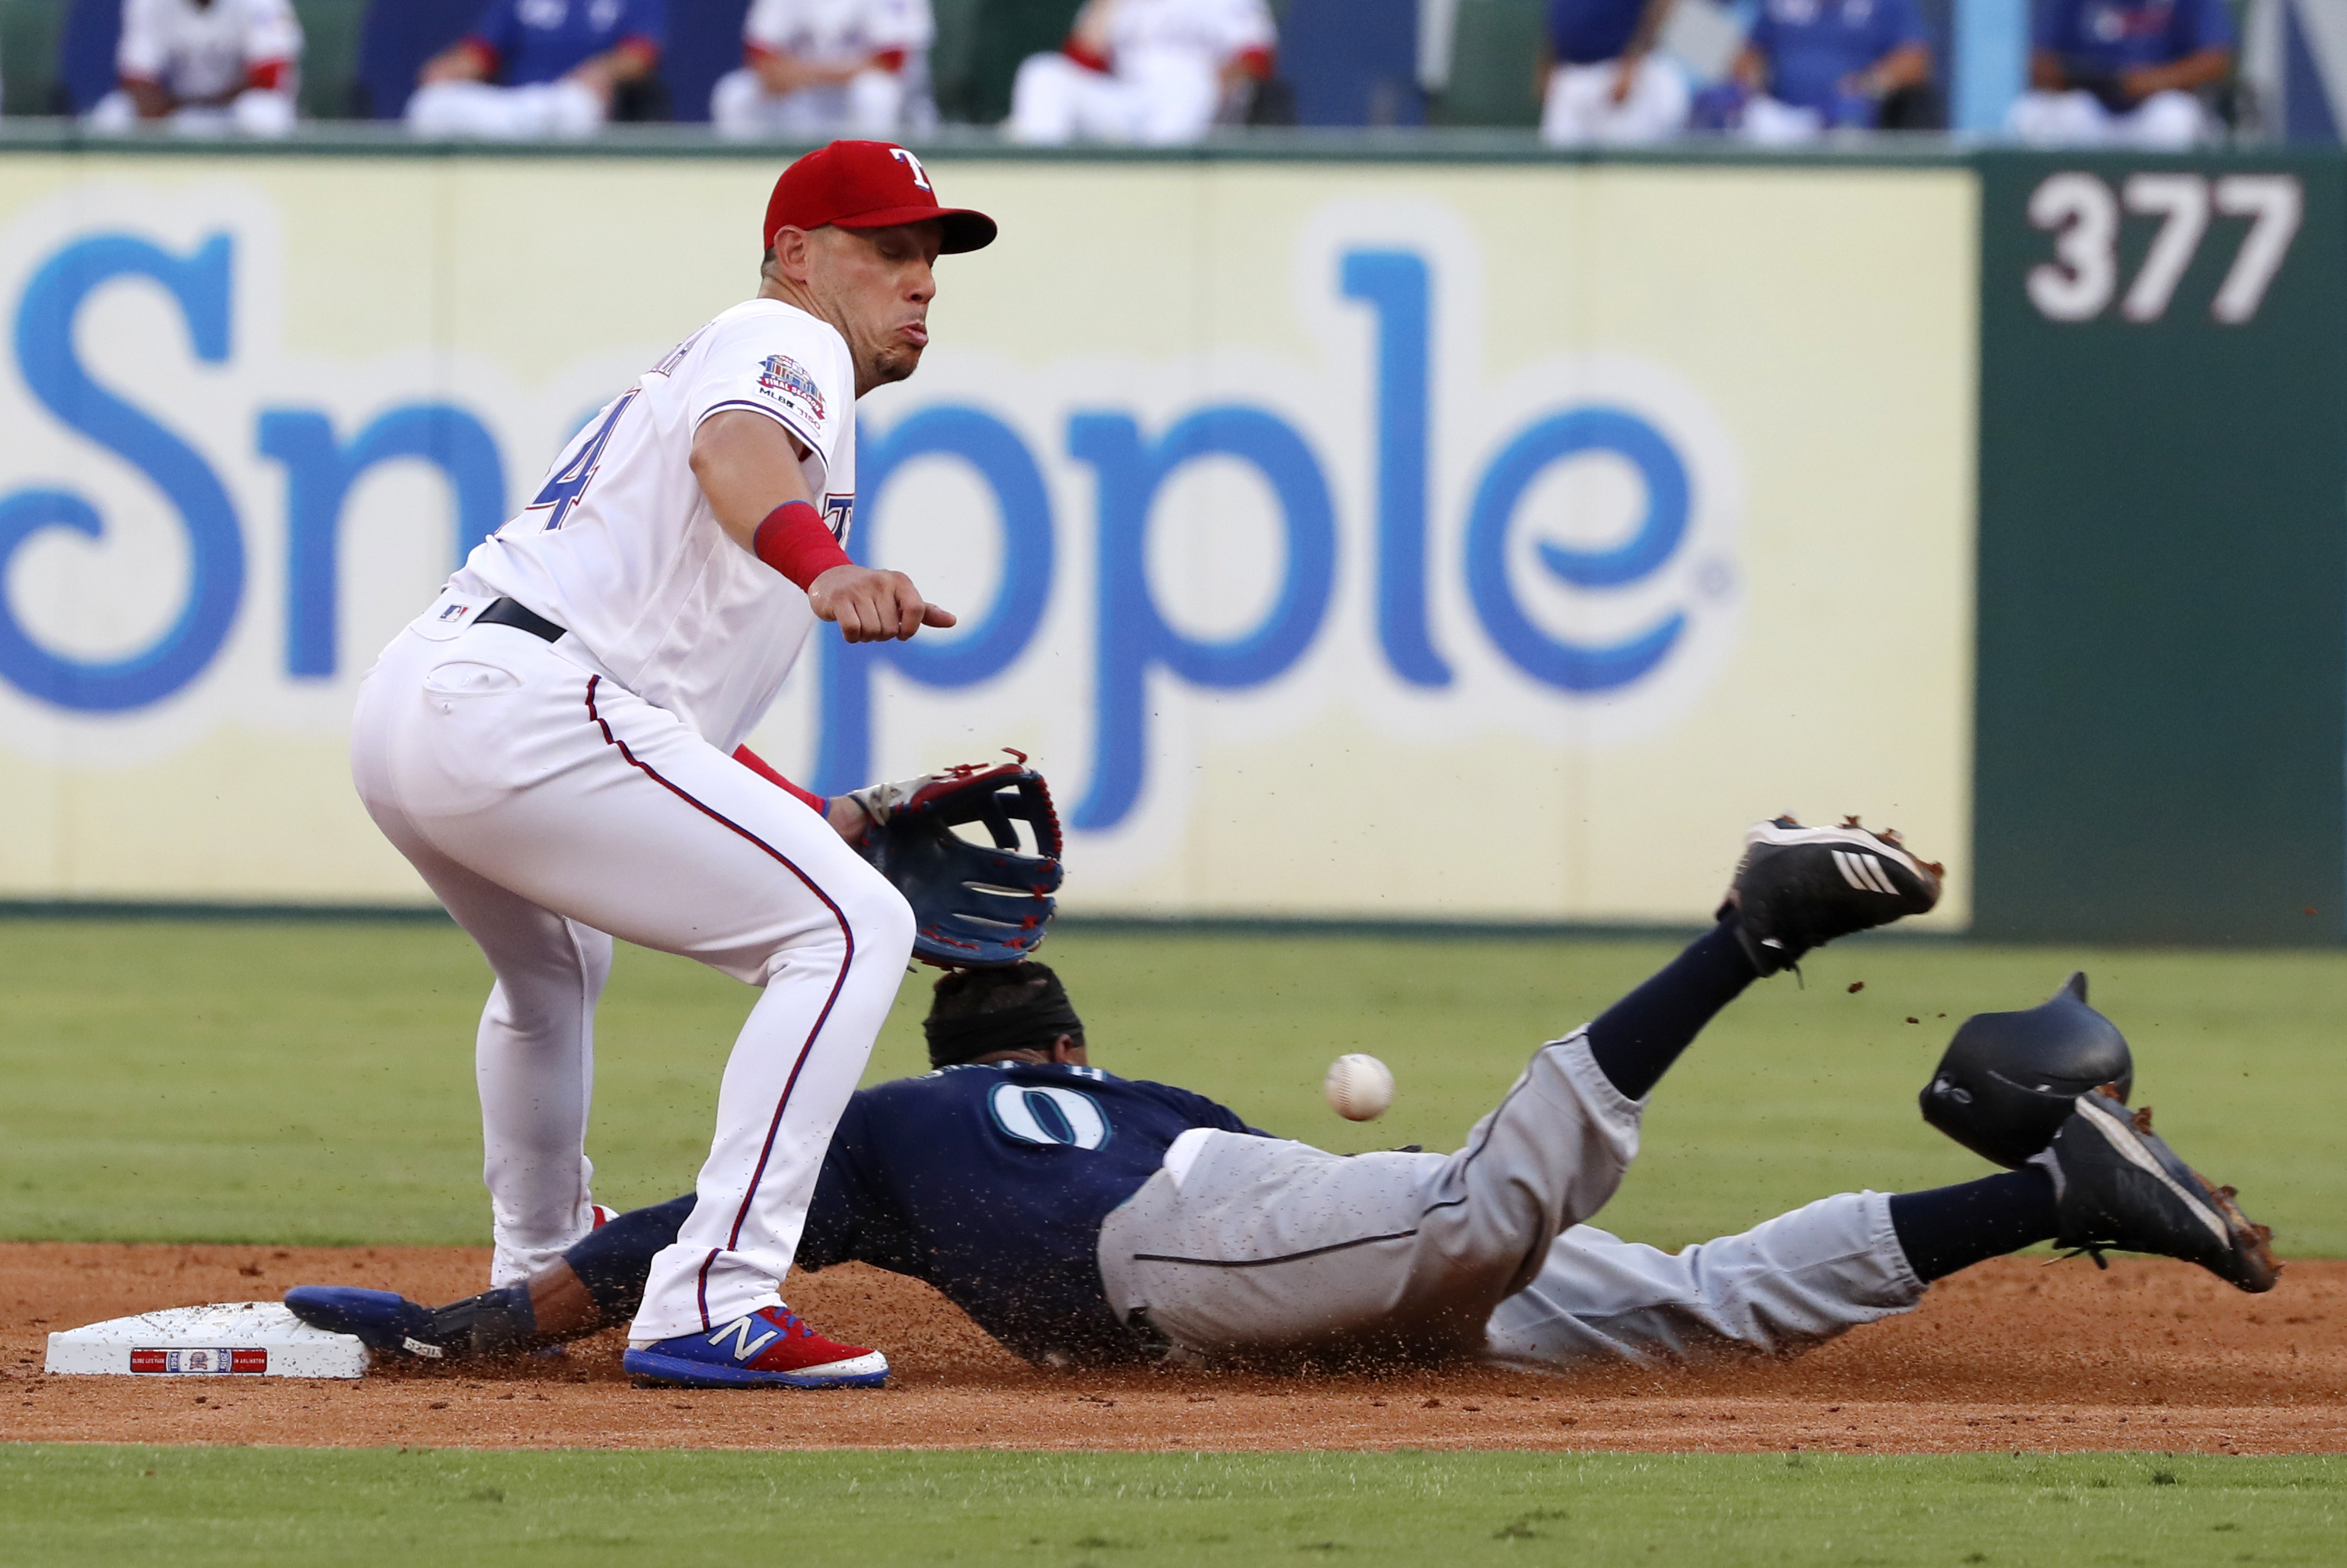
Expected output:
(868, 185)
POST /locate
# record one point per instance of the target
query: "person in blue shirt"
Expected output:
(2124, 73)
(1808, 66)
(538, 69)
(1602, 79)
(1081, 1219)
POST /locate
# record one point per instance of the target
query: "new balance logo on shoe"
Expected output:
(744, 1346)
(1864, 873)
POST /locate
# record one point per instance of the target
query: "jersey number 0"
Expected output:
(1030, 1114)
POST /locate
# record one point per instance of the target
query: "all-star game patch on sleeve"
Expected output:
(783, 363)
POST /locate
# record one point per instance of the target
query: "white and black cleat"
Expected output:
(1798, 887)
(2118, 1185)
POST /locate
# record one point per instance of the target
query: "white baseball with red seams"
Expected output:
(557, 794)
(1358, 1088)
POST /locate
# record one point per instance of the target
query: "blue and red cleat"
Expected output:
(772, 1347)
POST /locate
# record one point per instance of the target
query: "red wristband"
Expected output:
(794, 542)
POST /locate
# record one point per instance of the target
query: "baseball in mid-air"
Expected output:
(1360, 1088)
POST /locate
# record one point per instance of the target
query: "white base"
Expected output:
(238, 1338)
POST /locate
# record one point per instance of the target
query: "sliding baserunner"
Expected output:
(1083, 1218)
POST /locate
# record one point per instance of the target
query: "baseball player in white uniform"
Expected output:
(205, 66)
(860, 66)
(552, 743)
(1152, 71)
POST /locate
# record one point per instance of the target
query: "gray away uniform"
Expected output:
(1244, 1246)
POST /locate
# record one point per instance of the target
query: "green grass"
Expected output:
(311, 1082)
(115, 1506)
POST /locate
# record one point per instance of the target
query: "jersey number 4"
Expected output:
(569, 482)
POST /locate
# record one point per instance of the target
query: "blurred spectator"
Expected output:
(2121, 73)
(538, 67)
(1145, 70)
(823, 67)
(205, 66)
(1813, 66)
(1604, 83)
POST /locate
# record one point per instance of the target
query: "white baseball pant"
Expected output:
(1579, 107)
(253, 112)
(1771, 122)
(2169, 121)
(564, 108)
(872, 102)
(1158, 97)
(547, 807)
(1251, 1247)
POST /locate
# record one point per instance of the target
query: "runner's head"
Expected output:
(1016, 1013)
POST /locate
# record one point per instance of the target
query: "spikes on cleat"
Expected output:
(1852, 822)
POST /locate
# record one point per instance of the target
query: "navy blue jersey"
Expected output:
(990, 1182)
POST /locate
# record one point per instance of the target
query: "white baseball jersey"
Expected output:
(837, 32)
(200, 52)
(1216, 28)
(619, 545)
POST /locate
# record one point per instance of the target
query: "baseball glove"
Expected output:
(974, 907)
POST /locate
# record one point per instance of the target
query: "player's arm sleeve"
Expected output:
(1245, 28)
(792, 372)
(139, 55)
(834, 1229)
(766, 27)
(833, 1232)
(645, 24)
(1206, 1113)
(273, 43)
(1902, 24)
(2207, 26)
(766, 770)
(494, 35)
(902, 25)
(2052, 29)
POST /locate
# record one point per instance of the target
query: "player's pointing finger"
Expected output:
(909, 607)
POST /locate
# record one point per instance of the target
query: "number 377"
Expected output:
(2082, 215)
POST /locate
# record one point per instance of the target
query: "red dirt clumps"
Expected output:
(2012, 1355)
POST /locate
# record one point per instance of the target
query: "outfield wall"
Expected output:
(2163, 618)
(1346, 538)
(1355, 541)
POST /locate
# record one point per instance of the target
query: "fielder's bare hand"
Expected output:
(873, 606)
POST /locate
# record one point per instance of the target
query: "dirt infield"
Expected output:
(2009, 1356)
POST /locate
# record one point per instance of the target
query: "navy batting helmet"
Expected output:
(2010, 1079)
